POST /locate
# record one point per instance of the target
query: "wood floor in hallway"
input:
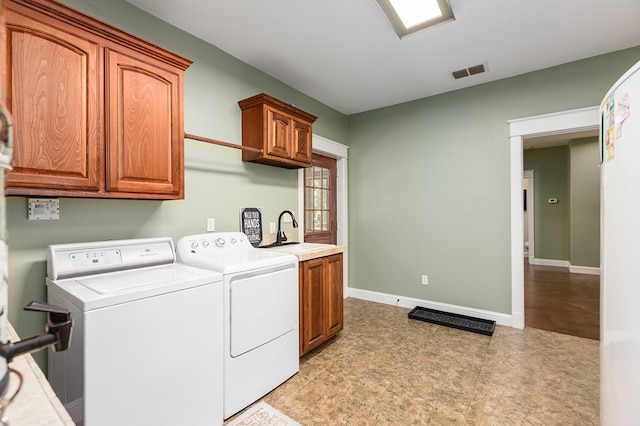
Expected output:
(560, 301)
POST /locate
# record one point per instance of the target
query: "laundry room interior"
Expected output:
(160, 145)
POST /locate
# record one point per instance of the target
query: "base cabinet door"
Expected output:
(321, 301)
(334, 295)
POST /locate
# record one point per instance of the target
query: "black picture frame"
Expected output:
(251, 224)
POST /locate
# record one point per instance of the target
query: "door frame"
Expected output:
(519, 129)
(529, 176)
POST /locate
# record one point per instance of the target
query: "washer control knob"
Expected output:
(233, 241)
(205, 243)
(194, 244)
(220, 242)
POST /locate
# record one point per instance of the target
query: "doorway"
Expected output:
(519, 129)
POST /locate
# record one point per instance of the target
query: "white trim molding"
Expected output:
(550, 262)
(574, 269)
(531, 217)
(410, 302)
(589, 270)
(540, 125)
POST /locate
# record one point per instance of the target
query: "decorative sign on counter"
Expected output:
(251, 224)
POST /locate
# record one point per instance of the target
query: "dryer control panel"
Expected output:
(226, 242)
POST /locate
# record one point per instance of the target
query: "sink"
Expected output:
(279, 245)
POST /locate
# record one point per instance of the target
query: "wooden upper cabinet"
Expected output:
(144, 145)
(302, 137)
(53, 89)
(97, 112)
(280, 133)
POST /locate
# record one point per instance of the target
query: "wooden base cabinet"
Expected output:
(97, 112)
(321, 300)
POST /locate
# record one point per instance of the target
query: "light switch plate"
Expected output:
(211, 224)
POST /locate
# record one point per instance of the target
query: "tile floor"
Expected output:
(385, 369)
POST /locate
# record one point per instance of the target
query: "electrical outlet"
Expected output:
(425, 280)
(211, 224)
(272, 228)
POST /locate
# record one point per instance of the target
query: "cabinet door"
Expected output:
(333, 297)
(53, 85)
(278, 143)
(301, 149)
(145, 130)
(313, 330)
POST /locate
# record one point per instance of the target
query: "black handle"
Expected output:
(56, 313)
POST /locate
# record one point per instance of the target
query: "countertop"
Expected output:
(36, 403)
(308, 251)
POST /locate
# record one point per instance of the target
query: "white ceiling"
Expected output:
(345, 54)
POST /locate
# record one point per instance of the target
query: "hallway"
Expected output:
(557, 300)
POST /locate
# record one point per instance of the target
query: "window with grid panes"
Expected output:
(320, 200)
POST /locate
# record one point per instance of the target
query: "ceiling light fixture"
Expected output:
(411, 16)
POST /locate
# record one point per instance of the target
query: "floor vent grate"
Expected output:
(461, 322)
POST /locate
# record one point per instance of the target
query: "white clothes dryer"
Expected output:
(146, 347)
(261, 344)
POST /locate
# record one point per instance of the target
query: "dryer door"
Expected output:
(263, 306)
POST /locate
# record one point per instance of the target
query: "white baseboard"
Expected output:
(584, 270)
(549, 262)
(410, 302)
(565, 264)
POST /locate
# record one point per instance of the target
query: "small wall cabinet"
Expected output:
(321, 300)
(97, 112)
(282, 131)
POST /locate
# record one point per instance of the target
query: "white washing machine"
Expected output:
(146, 347)
(260, 313)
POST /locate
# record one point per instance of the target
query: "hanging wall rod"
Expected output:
(217, 142)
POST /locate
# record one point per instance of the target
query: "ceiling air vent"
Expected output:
(466, 72)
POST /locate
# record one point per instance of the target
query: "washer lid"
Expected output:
(134, 280)
(101, 290)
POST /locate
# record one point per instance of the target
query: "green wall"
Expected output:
(217, 182)
(552, 221)
(585, 202)
(429, 183)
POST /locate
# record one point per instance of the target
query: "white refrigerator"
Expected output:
(620, 252)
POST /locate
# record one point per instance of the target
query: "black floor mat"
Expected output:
(462, 322)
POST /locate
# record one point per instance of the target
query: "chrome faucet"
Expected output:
(280, 237)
